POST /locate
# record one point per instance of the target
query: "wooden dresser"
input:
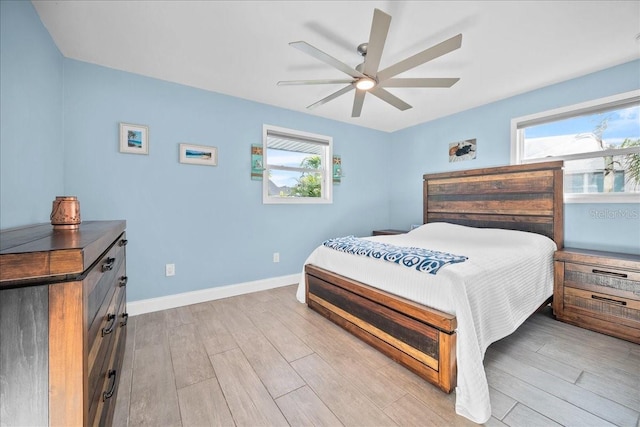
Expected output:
(62, 323)
(598, 291)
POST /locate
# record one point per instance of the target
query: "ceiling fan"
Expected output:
(367, 78)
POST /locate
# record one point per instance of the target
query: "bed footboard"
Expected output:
(419, 337)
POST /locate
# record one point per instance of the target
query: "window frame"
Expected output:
(326, 170)
(593, 106)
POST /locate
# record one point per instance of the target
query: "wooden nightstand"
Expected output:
(388, 232)
(598, 291)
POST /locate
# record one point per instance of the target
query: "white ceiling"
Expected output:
(240, 48)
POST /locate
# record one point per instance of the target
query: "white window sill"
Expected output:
(602, 198)
(296, 201)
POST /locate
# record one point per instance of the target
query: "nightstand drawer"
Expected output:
(606, 280)
(605, 306)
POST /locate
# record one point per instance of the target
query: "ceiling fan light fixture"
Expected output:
(365, 83)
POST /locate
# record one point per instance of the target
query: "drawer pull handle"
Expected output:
(613, 301)
(123, 281)
(125, 316)
(123, 242)
(112, 387)
(108, 264)
(108, 329)
(609, 273)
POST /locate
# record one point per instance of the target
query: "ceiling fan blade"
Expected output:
(313, 82)
(420, 58)
(327, 59)
(389, 98)
(420, 82)
(377, 39)
(357, 103)
(332, 96)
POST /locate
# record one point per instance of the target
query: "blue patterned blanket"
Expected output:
(424, 260)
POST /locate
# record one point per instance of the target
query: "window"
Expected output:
(599, 142)
(297, 166)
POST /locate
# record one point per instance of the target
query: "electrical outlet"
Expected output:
(170, 270)
(276, 257)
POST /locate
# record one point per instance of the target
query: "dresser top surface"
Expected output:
(38, 252)
(43, 238)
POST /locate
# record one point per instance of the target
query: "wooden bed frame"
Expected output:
(522, 197)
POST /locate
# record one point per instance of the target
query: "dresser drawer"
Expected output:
(105, 276)
(102, 343)
(107, 396)
(104, 372)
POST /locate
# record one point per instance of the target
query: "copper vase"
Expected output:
(65, 213)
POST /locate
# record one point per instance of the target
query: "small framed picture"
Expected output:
(256, 162)
(134, 139)
(198, 155)
(462, 150)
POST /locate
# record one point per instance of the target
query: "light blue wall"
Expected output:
(31, 143)
(209, 221)
(424, 149)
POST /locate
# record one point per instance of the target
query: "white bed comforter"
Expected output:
(508, 275)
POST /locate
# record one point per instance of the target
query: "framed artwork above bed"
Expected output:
(462, 150)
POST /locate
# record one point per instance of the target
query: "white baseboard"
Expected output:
(135, 308)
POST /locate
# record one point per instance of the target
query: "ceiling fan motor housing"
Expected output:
(362, 49)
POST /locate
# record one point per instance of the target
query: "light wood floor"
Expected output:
(264, 359)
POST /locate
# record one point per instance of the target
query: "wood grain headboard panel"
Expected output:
(520, 197)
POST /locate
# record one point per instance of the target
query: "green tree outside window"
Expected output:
(309, 183)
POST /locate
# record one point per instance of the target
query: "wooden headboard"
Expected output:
(520, 197)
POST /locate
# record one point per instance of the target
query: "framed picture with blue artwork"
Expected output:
(134, 139)
(198, 155)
